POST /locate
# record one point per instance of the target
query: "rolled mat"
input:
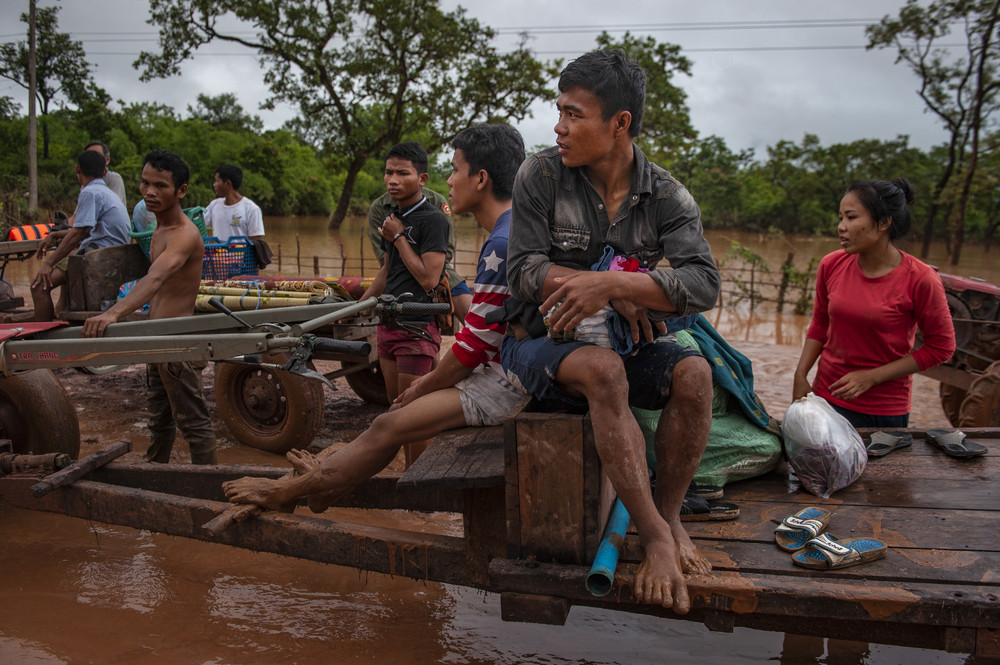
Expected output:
(248, 302)
(314, 286)
(252, 290)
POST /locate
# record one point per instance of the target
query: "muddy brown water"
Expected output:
(80, 592)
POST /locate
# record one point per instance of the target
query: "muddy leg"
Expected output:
(681, 437)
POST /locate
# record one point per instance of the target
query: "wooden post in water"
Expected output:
(298, 255)
(361, 253)
(786, 269)
(279, 259)
(315, 266)
(752, 273)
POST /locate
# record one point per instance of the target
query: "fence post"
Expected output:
(786, 269)
(315, 266)
(361, 253)
(279, 259)
(298, 254)
(753, 267)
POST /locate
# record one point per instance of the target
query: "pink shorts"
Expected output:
(413, 354)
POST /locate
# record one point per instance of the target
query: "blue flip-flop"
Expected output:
(796, 530)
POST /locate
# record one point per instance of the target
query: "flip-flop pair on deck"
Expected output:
(952, 442)
(805, 531)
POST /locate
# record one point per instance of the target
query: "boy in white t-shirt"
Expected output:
(232, 214)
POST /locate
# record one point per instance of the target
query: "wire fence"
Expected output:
(747, 279)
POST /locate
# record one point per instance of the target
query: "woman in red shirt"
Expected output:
(870, 299)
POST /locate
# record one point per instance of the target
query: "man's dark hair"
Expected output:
(617, 81)
(104, 147)
(91, 164)
(231, 173)
(412, 152)
(164, 160)
(495, 148)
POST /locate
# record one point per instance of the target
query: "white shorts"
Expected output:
(487, 396)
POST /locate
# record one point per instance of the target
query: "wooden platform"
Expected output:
(938, 587)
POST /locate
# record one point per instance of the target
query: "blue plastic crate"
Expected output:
(228, 259)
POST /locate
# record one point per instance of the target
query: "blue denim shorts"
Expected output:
(533, 363)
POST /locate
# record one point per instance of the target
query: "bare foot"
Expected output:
(659, 580)
(692, 562)
(302, 461)
(258, 491)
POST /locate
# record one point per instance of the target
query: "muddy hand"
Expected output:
(581, 295)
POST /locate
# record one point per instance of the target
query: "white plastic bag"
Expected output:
(824, 449)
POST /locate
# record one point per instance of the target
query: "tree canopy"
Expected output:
(363, 73)
(63, 75)
(960, 86)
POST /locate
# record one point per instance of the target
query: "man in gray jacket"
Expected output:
(591, 202)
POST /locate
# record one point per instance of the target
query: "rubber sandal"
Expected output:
(954, 443)
(825, 553)
(883, 443)
(796, 530)
(697, 509)
(704, 491)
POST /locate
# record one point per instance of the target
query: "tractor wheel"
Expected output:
(981, 407)
(36, 414)
(951, 401)
(272, 410)
(369, 385)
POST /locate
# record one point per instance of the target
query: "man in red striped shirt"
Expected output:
(468, 386)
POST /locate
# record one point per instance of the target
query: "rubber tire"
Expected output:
(271, 410)
(951, 402)
(37, 415)
(981, 407)
(369, 385)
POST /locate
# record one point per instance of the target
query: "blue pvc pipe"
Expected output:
(601, 577)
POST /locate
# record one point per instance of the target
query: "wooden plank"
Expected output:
(484, 528)
(205, 482)
(391, 551)
(972, 568)
(909, 608)
(952, 530)
(80, 468)
(512, 491)
(457, 459)
(551, 486)
(950, 490)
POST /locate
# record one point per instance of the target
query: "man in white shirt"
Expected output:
(111, 179)
(232, 214)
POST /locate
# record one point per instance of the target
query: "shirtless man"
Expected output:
(575, 205)
(468, 386)
(170, 288)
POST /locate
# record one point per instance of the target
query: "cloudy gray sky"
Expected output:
(764, 70)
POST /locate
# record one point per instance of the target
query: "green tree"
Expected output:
(225, 112)
(365, 73)
(62, 73)
(959, 86)
(667, 132)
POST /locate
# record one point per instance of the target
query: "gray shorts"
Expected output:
(487, 396)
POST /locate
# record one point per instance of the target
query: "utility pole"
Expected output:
(32, 141)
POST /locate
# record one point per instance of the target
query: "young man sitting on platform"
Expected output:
(468, 387)
(579, 207)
